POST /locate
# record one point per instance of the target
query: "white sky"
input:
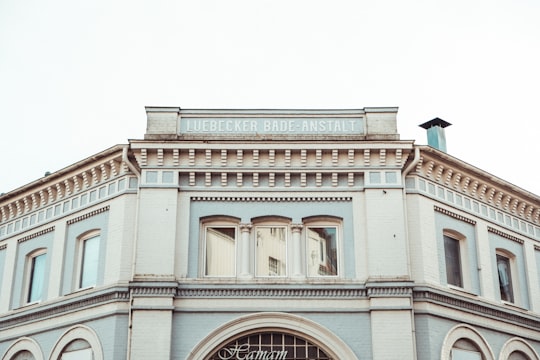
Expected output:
(75, 75)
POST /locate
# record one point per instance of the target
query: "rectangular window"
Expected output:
(90, 262)
(505, 278)
(452, 256)
(322, 251)
(36, 277)
(220, 251)
(271, 242)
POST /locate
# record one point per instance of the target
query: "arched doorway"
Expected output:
(275, 336)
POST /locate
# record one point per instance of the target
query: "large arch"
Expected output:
(75, 333)
(517, 344)
(273, 321)
(469, 333)
(24, 343)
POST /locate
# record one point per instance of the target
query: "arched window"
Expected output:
(88, 255)
(270, 247)
(518, 349)
(463, 342)
(456, 259)
(220, 246)
(322, 246)
(24, 349)
(35, 275)
(78, 343)
(23, 355)
(77, 350)
(271, 241)
(270, 345)
(464, 349)
(506, 272)
(275, 336)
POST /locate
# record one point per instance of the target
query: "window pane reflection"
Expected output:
(90, 262)
(505, 278)
(271, 248)
(220, 251)
(37, 276)
(322, 251)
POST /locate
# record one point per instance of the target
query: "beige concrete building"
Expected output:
(271, 234)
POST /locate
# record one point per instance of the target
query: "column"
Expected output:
(245, 257)
(296, 230)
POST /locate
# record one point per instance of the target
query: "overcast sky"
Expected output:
(75, 75)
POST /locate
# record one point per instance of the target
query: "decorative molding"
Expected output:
(216, 292)
(470, 306)
(505, 235)
(389, 291)
(88, 215)
(3, 247)
(35, 235)
(63, 307)
(477, 184)
(153, 290)
(271, 199)
(536, 247)
(454, 215)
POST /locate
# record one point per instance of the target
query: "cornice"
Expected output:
(452, 173)
(59, 186)
(272, 198)
(265, 156)
(477, 307)
(54, 309)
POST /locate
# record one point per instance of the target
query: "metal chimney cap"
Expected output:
(435, 122)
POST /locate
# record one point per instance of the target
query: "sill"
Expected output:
(31, 303)
(76, 291)
(462, 290)
(513, 305)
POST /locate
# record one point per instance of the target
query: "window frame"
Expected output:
(219, 222)
(30, 278)
(235, 250)
(466, 281)
(513, 271)
(271, 223)
(80, 258)
(81, 255)
(323, 222)
(290, 257)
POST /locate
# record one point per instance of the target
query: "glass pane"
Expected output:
(220, 251)
(322, 251)
(90, 262)
(37, 276)
(505, 278)
(453, 261)
(458, 354)
(84, 354)
(271, 243)
(23, 355)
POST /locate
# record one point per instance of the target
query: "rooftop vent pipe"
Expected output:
(435, 133)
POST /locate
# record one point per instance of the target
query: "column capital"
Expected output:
(246, 227)
(296, 227)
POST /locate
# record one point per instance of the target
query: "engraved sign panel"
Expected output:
(269, 125)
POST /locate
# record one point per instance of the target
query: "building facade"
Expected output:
(270, 234)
